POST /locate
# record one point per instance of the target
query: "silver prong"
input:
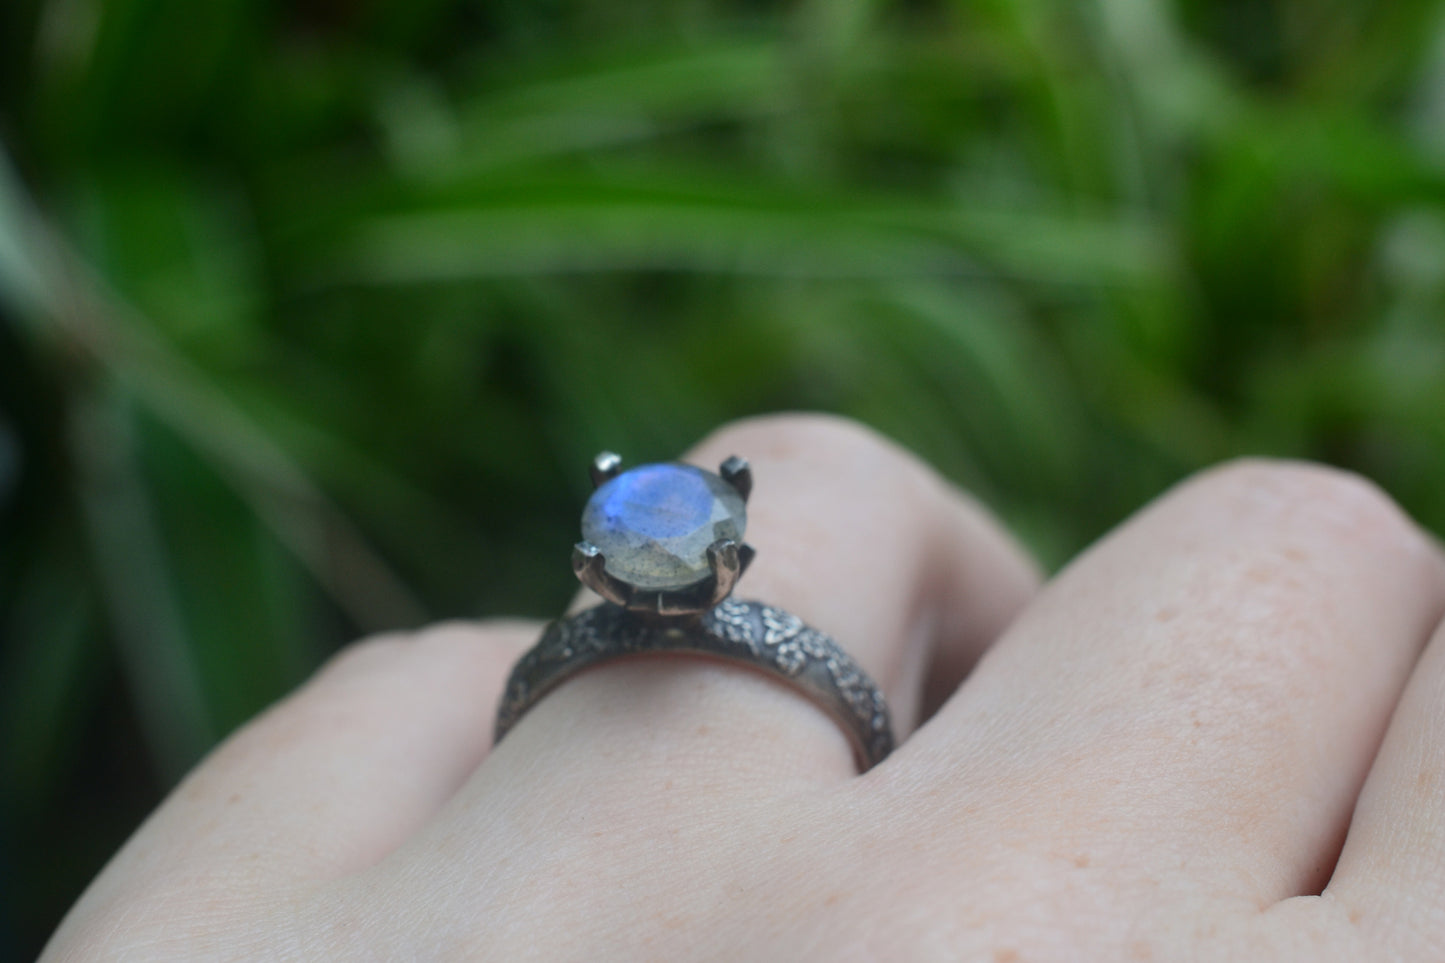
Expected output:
(605, 467)
(738, 473)
(723, 559)
(590, 568)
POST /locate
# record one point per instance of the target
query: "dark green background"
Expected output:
(312, 313)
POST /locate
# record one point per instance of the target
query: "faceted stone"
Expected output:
(653, 524)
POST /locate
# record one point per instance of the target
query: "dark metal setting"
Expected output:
(605, 467)
(727, 560)
(699, 619)
(756, 635)
(738, 473)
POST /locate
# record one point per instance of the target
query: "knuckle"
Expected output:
(1334, 502)
(804, 453)
(791, 433)
(446, 632)
(366, 655)
(476, 642)
(454, 642)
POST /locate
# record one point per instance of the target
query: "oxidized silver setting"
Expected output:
(699, 619)
(727, 560)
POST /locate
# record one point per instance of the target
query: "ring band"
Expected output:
(751, 633)
(663, 546)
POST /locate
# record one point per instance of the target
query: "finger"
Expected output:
(858, 539)
(328, 780)
(1198, 697)
(1391, 875)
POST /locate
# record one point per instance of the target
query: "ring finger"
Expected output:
(855, 537)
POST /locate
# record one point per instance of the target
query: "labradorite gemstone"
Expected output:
(653, 524)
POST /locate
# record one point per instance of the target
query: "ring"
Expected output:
(662, 544)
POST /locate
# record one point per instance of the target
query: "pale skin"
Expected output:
(1219, 734)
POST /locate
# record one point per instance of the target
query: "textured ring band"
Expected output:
(752, 633)
(663, 545)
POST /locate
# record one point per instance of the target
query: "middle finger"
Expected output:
(1199, 696)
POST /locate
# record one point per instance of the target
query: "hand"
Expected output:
(1157, 758)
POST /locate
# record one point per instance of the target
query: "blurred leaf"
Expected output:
(46, 679)
(180, 252)
(139, 589)
(24, 287)
(10, 457)
(694, 224)
(628, 97)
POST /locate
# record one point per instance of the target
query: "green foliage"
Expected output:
(311, 314)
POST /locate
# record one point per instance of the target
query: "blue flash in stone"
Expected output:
(653, 524)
